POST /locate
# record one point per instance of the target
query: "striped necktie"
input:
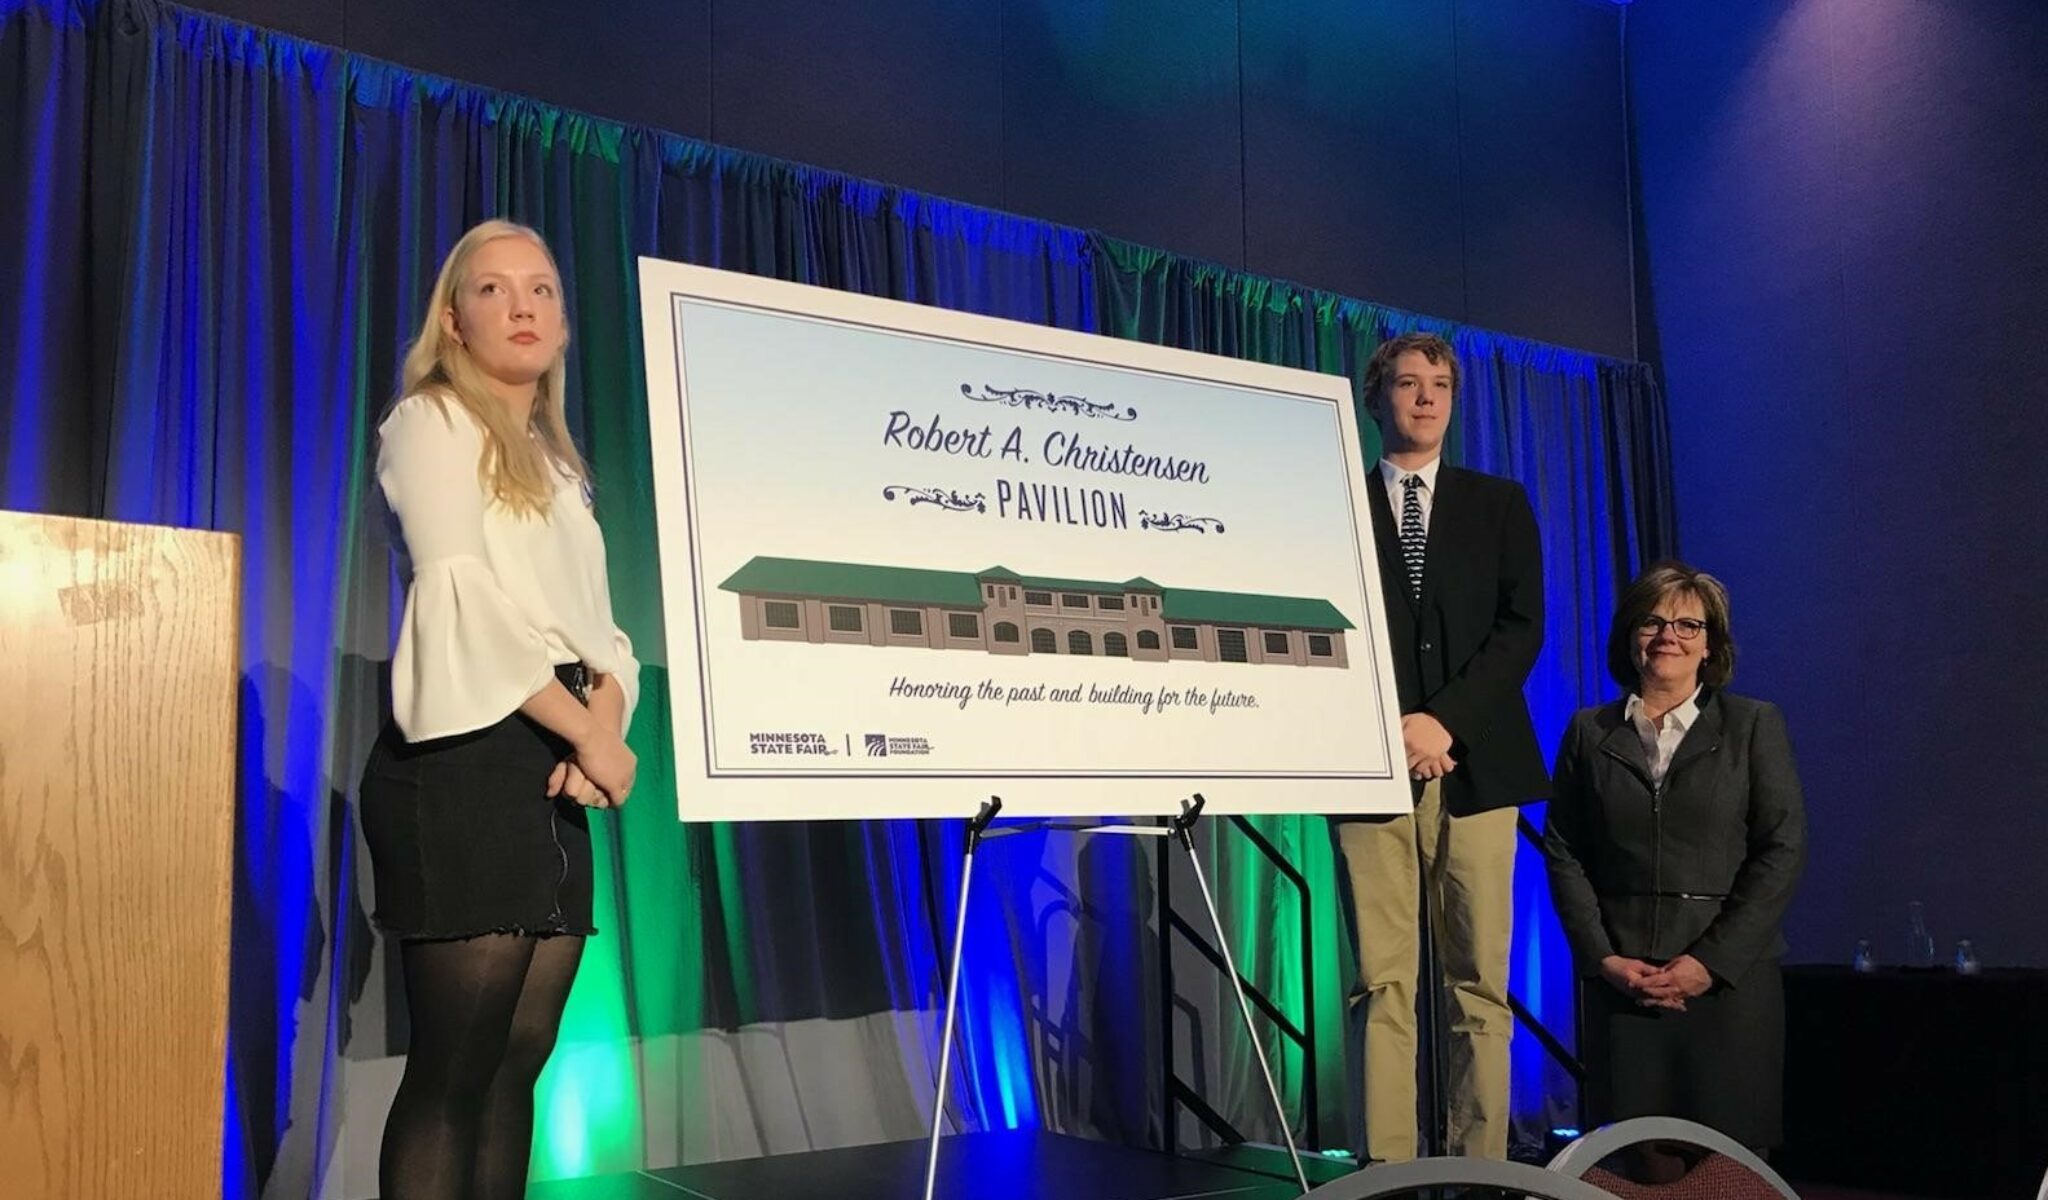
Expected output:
(1413, 537)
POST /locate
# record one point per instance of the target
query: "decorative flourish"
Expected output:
(1178, 522)
(945, 498)
(1080, 406)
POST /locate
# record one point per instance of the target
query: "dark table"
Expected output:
(1923, 1082)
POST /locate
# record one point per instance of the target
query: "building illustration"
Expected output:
(998, 611)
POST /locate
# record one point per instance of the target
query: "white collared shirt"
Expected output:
(1660, 741)
(1392, 476)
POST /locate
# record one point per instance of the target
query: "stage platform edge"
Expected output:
(1024, 1164)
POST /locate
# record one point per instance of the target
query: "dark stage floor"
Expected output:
(1019, 1165)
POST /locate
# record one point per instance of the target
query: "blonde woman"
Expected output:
(511, 690)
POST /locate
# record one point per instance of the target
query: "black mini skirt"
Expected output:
(464, 839)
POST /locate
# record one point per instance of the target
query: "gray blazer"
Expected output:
(1704, 864)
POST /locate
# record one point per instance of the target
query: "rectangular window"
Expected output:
(1013, 593)
(844, 618)
(1230, 646)
(963, 625)
(906, 622)
(1319, 645)
(1073, 600)
(989, 590)
(1276, 643)
(1039, 598)
(780, 614)
(1184, 638)
(1110, 603)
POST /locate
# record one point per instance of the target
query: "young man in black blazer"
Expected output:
(1461, 568)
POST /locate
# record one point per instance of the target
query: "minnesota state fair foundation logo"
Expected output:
(788, 743)
(881, 745)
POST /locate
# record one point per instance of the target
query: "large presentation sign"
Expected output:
(913, 558)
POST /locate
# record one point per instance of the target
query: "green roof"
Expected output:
(764, 576)
(854, 581)
(1246, 608)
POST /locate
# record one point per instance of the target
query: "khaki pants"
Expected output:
(1470, 864)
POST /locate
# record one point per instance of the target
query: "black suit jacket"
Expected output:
(1703, 865)
(1464, 650)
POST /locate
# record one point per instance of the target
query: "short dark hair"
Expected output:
(1380, 367)
(1641, 597)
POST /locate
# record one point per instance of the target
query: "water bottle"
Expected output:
(1919, 942)
(1864, 961)
(1966, 958)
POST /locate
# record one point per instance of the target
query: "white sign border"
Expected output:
(709, 793)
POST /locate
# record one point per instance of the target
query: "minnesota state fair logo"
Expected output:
(881, 745)
(788, 743)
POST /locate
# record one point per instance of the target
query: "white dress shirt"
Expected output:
(1392, 476)
(494, 599)
(1660, 741)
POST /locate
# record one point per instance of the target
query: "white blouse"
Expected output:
(494, 600)
(1660, 740)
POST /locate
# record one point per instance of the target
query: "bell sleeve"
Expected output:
(467, 654)
(627, 674)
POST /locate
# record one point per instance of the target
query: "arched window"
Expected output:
(1114, 646)
(1043, 641)
(1078, 642)
(1148, 639)
(1005, 631)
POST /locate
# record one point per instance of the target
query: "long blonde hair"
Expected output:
(517, 470)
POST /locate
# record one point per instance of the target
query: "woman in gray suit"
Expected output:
(1674, 843)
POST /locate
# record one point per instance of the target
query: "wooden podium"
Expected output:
(118, 676)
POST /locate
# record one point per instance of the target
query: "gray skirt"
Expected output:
(1721, 1062)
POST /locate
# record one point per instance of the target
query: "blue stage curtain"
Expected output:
(212, 250)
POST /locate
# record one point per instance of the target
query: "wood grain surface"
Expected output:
(118, 676)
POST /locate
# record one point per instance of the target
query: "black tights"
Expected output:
(485, 1011)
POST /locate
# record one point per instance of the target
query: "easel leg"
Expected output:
(1169, 1134)
(975, 829)
(1184, 826)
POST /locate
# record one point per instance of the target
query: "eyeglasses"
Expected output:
(1687, 628)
